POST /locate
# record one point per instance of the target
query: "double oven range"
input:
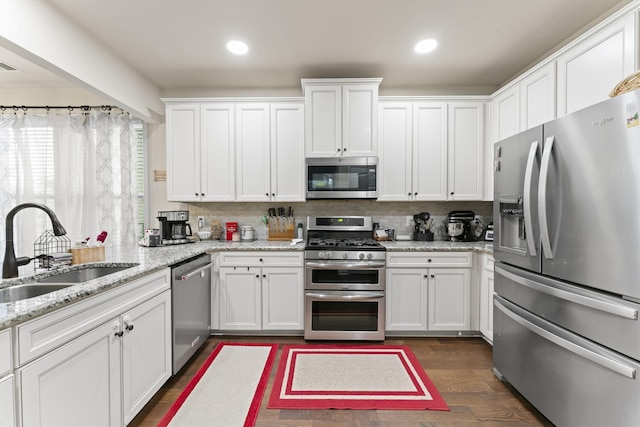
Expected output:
(345, 280)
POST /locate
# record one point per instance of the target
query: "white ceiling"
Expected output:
(181, 44)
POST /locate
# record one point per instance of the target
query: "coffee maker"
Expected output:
(459, 226)
(174, 229)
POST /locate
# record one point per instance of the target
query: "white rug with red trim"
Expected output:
(227, 390)
(352, 377)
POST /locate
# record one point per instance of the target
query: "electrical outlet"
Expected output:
(408, 220)
(200, 221)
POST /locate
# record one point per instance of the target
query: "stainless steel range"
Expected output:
(344, 280)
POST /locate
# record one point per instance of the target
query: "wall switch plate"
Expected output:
(200, 221)
(408, 220)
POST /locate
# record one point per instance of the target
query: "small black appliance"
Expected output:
(459, 226)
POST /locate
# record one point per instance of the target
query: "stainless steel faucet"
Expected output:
(10, 264)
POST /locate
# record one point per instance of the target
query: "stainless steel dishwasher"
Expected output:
(190, 307)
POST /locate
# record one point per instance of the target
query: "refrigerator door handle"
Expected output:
(528, 219)
(606, 307)
(542, 197)
(605, 362)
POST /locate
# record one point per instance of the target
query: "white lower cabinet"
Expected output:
(422, 298)
(7, 382)
(265, 292)
(7, 401)
(78, 384)
(103, 376)
(486, 297)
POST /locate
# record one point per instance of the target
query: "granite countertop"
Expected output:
(147, 260)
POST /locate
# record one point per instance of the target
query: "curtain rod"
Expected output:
(4, 108)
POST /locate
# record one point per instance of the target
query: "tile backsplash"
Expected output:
(388, 214)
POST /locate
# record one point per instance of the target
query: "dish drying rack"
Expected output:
(50, 251)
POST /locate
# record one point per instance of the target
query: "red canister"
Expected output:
(232, 227)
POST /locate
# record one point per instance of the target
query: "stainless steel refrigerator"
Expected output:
(567, 272)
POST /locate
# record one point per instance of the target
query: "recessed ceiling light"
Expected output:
(237, 47)
(426, 46)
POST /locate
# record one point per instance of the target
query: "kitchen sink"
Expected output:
(29, 290)
(84, 275)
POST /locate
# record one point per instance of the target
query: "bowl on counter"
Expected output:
(204, 235)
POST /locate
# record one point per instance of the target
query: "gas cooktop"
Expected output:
(354, 244)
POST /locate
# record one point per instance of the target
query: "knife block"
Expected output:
(281, 228)
(88, 254)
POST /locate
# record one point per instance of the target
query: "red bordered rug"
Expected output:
(352, 377)
(227, 390)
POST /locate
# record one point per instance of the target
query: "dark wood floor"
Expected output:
(460, 368)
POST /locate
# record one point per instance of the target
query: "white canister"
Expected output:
(247, 232)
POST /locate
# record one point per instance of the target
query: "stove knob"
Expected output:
(361, 256)
(328, 255)
(322, 255)
(345, 255)
(369, 255)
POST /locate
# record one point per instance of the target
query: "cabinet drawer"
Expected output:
(5, 351)
(47, 332)
(261, 259)
(429, 259)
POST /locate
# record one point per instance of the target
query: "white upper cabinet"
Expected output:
(200, 152)
(505, 113)
(413, 151)
(538, 97)
(590, 69)
(341, 117)
(421, 146)
(287, 152)
(465, 150)
(252, 146)
(217, 152)
(183, 152)
(270, 162)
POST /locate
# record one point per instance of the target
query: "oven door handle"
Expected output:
(349, 297)
(339, 264)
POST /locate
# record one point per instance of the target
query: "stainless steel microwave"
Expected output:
(342, 177)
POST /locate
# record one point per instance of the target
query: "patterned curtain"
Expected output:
(83, 166)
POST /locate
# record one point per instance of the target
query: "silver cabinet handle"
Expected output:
(605, 362)
(542, 197)
(604, 306)
(191, 273)
(528, 176)
(346, 296)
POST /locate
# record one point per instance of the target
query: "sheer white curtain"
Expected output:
(83, 166)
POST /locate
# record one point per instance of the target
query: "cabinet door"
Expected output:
(218, 152)
(77, 384)
(7, 402)
(252, 144)
(486, 304)
(360, 120)
(282, 298)
(449, 300)
(465, 177)
(146, 352)
(505, 113)
(406, 299)
(395, 161)
(287, 152)
(429, 166)
(240, 298)
(323, 120)
(183, 152)
(589, 71)
(537, 97)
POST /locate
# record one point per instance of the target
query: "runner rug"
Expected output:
(228, 388)
(352, 377)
